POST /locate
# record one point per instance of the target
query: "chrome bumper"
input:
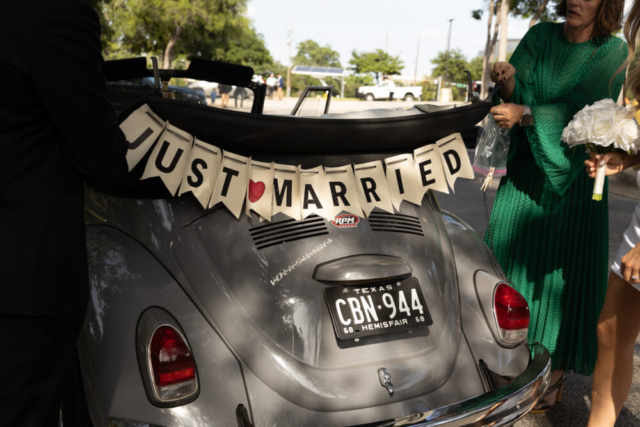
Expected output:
(500, 407)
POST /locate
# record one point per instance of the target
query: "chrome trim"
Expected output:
(500, 407)
(385, 380)
(363, 268)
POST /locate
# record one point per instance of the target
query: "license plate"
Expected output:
(377, 309)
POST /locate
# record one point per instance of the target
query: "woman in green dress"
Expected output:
(547, 233)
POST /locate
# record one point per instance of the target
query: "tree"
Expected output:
(241, 45)
(457, 64)
(475, 67)
(311, 53)
(536, 9)
(504, 24)
(490, 45)
(377, 63)
(182, 26)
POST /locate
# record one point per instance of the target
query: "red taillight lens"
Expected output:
(512, 313)
(171, 359)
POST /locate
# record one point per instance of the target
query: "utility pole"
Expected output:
(446, 72)
(289, 42)
(386, 43)
(415, 75)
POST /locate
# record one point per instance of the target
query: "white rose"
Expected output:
(604, 104)
(627, 136)
(580, 128)
(566, 136)
(603, 132)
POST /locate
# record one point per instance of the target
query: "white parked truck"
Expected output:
(389, 90)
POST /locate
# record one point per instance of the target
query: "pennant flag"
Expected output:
(169, 158)
(372, 187)
(201, 171)
(429, 171)
(286, 191)
(186, 164)
(260, 191)
(314, 193)
(403, 181)
(343, 190)
(455, 159)
(231, 183)
(141, 128)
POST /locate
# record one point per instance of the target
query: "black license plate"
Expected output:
(377, 309)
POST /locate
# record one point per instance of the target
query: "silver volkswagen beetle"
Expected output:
(199, 319)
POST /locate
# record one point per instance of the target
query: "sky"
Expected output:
(365, 25)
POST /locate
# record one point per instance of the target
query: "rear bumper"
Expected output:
(500, 407)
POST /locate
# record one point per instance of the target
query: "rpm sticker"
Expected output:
(346, 221)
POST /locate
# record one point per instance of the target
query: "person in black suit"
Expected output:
(56, 131)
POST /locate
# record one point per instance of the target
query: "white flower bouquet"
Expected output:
(603, 127)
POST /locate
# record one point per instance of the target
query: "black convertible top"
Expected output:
(253, 134)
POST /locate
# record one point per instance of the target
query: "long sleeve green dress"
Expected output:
(548, 235)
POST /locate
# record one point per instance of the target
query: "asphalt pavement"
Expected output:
(467, 203)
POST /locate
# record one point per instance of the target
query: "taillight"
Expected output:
(172, 366)
(512, 314)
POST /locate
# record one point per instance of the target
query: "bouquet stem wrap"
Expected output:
(598, 185)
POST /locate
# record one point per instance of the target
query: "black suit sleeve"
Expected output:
(67, 75)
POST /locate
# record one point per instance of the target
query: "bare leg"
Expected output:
(618, 328)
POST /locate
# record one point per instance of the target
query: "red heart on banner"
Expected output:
(256, 190)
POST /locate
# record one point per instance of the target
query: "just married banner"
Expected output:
(188, 165)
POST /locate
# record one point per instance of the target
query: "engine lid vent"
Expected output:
(288, 230)
(397, 223)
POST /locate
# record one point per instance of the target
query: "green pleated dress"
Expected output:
(548, 235)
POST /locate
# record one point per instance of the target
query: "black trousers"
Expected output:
(35, 354)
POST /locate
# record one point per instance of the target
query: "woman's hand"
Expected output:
(614, 161)
(630, 267)
(507, 115)
(502, 72)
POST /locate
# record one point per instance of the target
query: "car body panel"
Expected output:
(283, 331)
(126, 279)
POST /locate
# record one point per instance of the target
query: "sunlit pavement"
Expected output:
(574, 409)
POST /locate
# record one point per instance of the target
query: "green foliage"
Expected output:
(527, 8)
(377, 63)
(242, 46)
(429, 91)
(477, 14)
(354, 81)
(179, 29)
(311, 53)
(475, 66)
(457, 64)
